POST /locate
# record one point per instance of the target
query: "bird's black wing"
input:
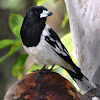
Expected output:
(54, 41)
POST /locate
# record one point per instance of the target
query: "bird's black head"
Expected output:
(33, 25)
(38, 14)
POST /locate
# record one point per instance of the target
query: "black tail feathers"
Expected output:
(83, 83)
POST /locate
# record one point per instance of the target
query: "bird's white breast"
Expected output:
(43, 53)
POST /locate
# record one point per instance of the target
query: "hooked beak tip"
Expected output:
(50, 13)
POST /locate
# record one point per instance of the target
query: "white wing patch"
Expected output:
(58, 48)
(59, 45)
(45, 32)
(52, 39)
(66, 52)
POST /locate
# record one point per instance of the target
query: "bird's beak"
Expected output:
(45, 14)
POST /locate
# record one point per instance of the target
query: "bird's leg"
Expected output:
(52, 67)
(43, 70)
(43, 67)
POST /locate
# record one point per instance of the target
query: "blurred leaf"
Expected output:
(18, 66)
(35, 67)
(13, 49)
(40, 2)
(13, 5)
(67, 41)
(16, 30)
(7, 42)
(15, 22)
(55, 0)
(62, 72)
(65, 20)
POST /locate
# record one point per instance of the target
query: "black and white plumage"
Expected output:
(44, 46)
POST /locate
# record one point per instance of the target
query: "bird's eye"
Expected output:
(36, 12)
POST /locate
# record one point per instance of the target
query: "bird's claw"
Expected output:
(46, 70)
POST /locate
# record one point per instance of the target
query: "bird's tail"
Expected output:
(84, 84)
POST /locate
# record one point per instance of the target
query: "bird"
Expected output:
(42, 43)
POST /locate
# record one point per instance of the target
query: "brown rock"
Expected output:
(42, 85)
